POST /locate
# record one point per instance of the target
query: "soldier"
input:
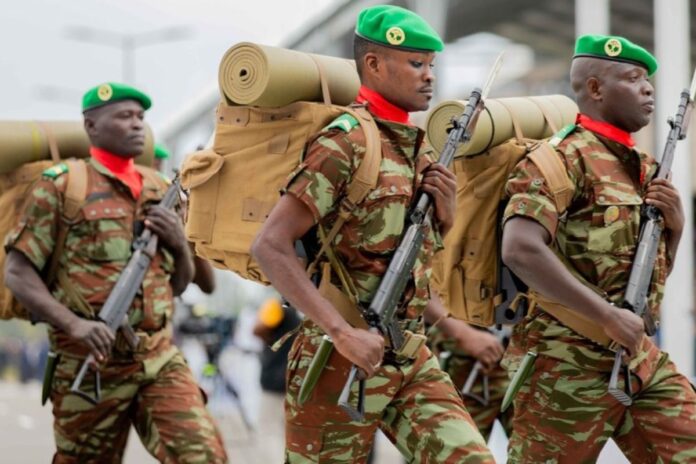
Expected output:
(578, 265)
(408, 397)
(150, 387)
(459, 347)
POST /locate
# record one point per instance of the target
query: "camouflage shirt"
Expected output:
(97, 246)
(598, 236)
(367, 241)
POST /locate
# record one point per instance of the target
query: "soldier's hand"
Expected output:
(483, 346)
(95, 335)
(363, 348)
(626, 328)
(441, 184)
(167, 225)
(662, 194)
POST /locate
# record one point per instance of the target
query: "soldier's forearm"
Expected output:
(183, 270)
(672, 243)
(526, 253)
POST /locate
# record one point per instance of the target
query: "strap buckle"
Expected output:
(412, 344)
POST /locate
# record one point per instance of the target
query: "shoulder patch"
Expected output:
(345, 122)
(55, 171)
(561, 134)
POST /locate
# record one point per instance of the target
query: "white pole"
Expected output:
(591, 17)
(673, 54)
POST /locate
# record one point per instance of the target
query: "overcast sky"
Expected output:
(36, 55)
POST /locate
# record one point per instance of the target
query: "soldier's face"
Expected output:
(118, 128)
(627, 96)
(407, 79)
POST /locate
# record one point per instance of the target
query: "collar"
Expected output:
(121, 168)
(380, 107)
(606, 130)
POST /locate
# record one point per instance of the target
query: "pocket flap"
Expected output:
(199, 167)
(613, 193)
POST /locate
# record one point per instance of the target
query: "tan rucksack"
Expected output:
(234, 185)
(468, 273)
(15, 188)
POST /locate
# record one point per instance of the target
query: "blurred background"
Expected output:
(52, 51)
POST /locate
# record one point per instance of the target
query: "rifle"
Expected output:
(380, 315)
(636, 297)
(115, 309)
(502, 333)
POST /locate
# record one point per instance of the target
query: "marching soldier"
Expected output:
(150, 387)
(577, 267)
(407, 395)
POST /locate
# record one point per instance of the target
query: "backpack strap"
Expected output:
(73, 199)
(545, 158)
(364, 179)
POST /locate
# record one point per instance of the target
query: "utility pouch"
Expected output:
(52, 361)
(412, 344)
(523, 372)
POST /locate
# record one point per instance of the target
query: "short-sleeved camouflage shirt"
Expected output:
(598, 235)
(369, 238)
(97, 247)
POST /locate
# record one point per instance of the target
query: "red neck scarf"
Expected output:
(380, 107)
(606, 130)
(122, 168)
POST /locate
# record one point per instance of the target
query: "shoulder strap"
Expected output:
(554, 171)
(364, 179)
(73, 199)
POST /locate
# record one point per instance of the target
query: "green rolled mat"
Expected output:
(495, 124)
(26, 141)
(260, 75)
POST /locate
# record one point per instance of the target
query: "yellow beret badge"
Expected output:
(612, 47)
(395, 35)
(105, 92)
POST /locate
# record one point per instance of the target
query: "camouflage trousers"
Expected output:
(414, 403)
(564, 414)
(458, 367)
(158, 396)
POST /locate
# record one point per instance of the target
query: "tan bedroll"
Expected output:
(23, 142)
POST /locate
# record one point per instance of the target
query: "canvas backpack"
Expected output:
(15, 189)
(469, 274)
(234, 185)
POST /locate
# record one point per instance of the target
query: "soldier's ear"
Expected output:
(89, 126)
(594, 89)
(372, 62)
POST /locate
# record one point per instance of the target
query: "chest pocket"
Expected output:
(383, 214)
(615, 218)
(106, 232)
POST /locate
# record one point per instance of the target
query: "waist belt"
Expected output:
(147, 340)
(571, 319)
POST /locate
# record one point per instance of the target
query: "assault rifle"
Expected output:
(636, 297)
(502, 333)
(380, 315)
(115, 309)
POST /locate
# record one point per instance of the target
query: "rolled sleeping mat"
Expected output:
(27, 141)
(260, 75)
(495, 124)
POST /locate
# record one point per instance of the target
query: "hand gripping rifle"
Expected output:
(636, 297)
(115, 309)
(380, 315)
(502, 333)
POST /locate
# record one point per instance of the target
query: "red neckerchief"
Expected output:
(380, 107)
(606, 130)
(122, 168)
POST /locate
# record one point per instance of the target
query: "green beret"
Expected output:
(111, 92)
(398, 28)
(615, 48)
(161, 152)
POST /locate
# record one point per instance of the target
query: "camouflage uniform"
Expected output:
(458, 365)
(152, 388)
(563, 412)
(412, 401)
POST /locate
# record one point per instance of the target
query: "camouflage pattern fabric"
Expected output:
(158, 395)
(151, 387)
(367, 241)
(413, 402)
(597, 240)
(458, 365)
